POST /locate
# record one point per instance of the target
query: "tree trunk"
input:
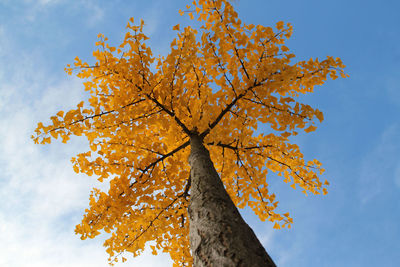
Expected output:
(218, 234)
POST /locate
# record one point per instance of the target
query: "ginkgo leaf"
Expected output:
(311, 128)
(176, 27)
(324, 191)
(279, 25)
(319, 115)
(277, 226)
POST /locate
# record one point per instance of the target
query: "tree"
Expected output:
(175, 137)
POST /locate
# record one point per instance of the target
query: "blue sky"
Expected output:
(356, 224)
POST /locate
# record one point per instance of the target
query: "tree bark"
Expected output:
(218, 234)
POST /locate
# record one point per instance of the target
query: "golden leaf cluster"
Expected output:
(219, 81)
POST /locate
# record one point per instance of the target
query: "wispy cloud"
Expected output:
(381, 167)
(41, 198)
(397, 175)
(392, 85)
(31, 10)
(48, 2)
(95, 12)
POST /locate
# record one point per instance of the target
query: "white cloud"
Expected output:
(94, 12)
(151, 18)
(3, 40)
(32, 9)
(397, 175)
(380, 168)
(48, 2)
(393, 88)
(266, 237)
(42, 199)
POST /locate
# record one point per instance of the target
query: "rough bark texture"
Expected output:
(218, 234)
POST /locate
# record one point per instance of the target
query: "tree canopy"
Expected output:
(220, 81)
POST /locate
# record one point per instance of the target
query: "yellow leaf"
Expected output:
(277, 226)
(176, 27)
(319, 115)
(293, 186)
(279, 25)
(76, 168)
(60, 113)
(54, 134)
(311, 128)
(154, 251)
(65, 138)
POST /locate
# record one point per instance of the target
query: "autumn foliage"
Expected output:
(221, 81)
